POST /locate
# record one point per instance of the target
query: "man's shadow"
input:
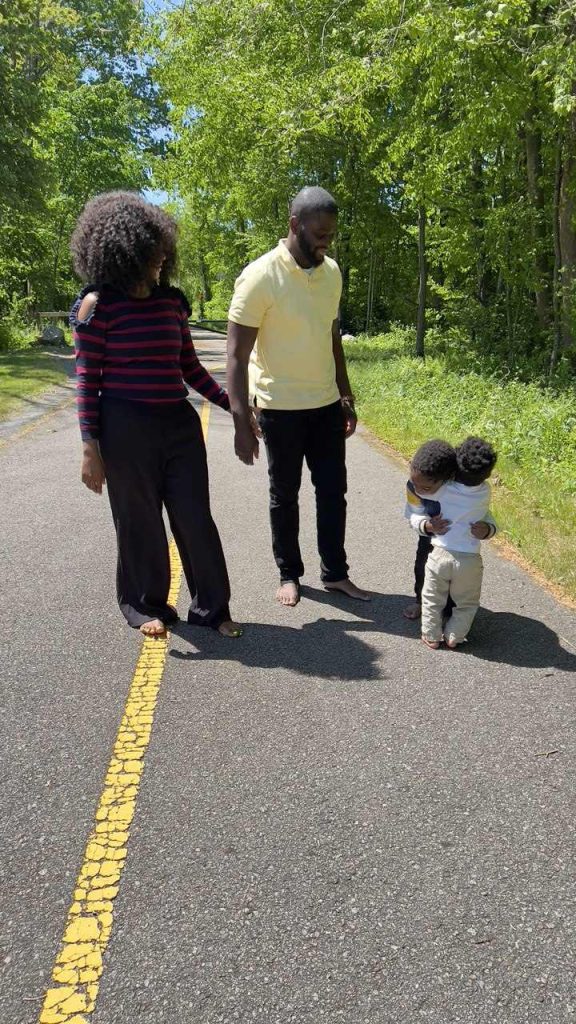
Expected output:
(325, 649)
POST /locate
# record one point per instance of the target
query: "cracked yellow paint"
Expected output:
(78, 968)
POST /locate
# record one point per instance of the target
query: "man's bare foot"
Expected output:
(154, 628)
(350, 589)
(432, 644)
(412, 611)
(230, 629)
(288, 594)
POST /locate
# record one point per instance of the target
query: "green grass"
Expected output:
(405, 402)
(25, 375)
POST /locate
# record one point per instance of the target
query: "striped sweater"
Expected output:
(136, 349)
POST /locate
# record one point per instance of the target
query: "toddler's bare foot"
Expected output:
(452, 642)
(230, 629)
(350, 589)
(432, 644)
(412, 611)
(154, 628)
(288, 594)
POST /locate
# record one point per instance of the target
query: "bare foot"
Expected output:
(350, 589)
(412, 611)
(432, 644)
(288, 594)
(452, 642)
(154, 628)
(230, 629)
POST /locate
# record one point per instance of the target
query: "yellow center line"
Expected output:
(79, 965)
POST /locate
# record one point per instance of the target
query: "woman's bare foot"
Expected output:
(288, 594)
(412, 611)
(432, 644)
(350, 589)
(154, 628)
(230, 629)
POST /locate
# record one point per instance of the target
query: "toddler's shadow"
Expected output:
(504, 637)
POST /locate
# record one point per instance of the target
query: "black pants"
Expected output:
(317, 435)
(155, 456)
(422, 551)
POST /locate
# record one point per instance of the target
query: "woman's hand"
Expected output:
(93, 473)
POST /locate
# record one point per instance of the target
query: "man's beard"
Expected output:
(306, 249)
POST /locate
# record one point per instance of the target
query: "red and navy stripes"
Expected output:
(137, 349)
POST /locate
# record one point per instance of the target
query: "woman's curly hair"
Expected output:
(476, 460)
(118, 236)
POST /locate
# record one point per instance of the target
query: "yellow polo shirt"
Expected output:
(292, 364)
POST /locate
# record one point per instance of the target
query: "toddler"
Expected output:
(432, 466)
(454, 566)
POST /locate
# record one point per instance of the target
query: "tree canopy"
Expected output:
(446, 129)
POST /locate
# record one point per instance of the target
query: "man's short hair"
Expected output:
(312, 200)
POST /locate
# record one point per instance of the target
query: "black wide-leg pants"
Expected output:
(155, 456)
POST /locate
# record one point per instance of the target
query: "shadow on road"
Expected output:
(518, 640)
(325, 649)
(331, 648)
(504, 637)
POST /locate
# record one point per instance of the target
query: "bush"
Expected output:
(16, 332)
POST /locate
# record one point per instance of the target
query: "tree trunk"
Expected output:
(422, 282)
(556, 305)
(533, 143)
(477, 193)
(567, 231)
(370, 290)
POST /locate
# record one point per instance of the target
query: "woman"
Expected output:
(134, 358)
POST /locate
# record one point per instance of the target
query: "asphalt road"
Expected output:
(333, 822)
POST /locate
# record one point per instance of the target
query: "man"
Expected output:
(283, 333)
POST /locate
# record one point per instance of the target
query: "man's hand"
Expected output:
(246, 443)
(480, 530)
(350, 419)
(437, 525)
(93, 472)
(255, 423)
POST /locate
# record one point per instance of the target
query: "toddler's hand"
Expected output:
(438, 525)
(480, 530)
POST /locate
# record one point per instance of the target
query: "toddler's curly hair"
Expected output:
(118, 236)
(475, 459)
(435, 459)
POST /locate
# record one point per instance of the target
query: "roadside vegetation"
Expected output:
(26, 374)
(404, 401)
